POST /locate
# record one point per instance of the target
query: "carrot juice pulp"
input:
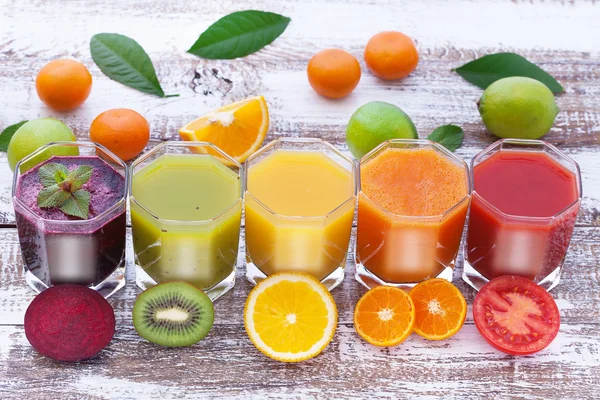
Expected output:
(411, 212)
(522, 214)
(299, 212)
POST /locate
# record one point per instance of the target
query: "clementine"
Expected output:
(333, 73)
(63, 84)
(124, 132)
(391, 55)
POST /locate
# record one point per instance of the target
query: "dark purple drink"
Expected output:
(58, 248)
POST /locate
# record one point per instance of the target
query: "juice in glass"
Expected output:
(412, 207)
(185, 215)
(300, 200)
(525, 202)
(59, 248)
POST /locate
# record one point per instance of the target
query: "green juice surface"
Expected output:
(195, 237)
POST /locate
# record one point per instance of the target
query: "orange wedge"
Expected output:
(238, 128)
(384, 316)
(440, 309)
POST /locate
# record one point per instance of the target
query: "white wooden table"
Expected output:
(562, 37)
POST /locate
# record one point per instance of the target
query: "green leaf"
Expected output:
(77, 204)
(7, 134)
(239, 34)
(488, 69)
(52, 173)
(124, 60)
(52, 196)
(79, 176)
(449, 136)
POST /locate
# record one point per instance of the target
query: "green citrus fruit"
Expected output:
(518, 107)
(33, 135)
(374, 123)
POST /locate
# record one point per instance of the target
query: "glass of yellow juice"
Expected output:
(186, 207)
(300, 200)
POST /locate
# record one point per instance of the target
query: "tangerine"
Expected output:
(391, 55)
(63, 84)
(333, 73)
(124, 132)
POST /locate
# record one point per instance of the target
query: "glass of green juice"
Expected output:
(186, 209)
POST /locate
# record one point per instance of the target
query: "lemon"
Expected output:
(374, 123)
(34, 134)
(290, 316)
(518, 107)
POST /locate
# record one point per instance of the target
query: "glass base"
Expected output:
(476, 280)
(370, 280)
(112, 284)
(145, 281)
(331, 281)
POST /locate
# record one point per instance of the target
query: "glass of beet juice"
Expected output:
(72, 243)
(526, 196)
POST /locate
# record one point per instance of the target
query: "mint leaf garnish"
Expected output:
(52, 196)
(449, 136)
(52, 173)
(62, 189)
(77, 204)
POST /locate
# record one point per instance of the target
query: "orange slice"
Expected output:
(384, 316)
(440, 308)
(238, 128)
(290, 316)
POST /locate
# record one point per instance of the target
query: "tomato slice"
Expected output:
(515, 315)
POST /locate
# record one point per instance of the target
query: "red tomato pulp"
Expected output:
(515, 315)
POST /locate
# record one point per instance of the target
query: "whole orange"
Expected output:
(122, 131)
(63, 84)
(333, 73)
(391, 55)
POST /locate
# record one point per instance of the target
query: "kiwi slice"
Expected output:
(173, 314)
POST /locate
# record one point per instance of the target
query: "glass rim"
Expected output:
(525, 142)
(177, 143)
(424, 143)
(331, 147)
(122, 200)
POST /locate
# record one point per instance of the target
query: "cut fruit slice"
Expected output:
(290, 317)
(384, 316)
(238, 129)
(173, 314)
(69, 322)
(440, 309)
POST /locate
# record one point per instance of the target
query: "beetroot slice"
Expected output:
(69, 322)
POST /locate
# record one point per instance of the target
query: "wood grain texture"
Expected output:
(560, 36)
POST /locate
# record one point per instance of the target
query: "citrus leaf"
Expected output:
(7, 134)
(52, 196)
(52, 173)
(77, 204)
(488, 69)
(449, 136)
(122, 59)
(239, 34)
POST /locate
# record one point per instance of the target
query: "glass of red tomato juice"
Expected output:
(526, 196)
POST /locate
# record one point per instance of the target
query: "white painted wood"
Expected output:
(560, 36)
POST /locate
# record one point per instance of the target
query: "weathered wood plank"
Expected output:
(463, 367)
(578, 294)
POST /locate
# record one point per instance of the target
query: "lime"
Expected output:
(33, 135)
(518, 107)
(374, 123)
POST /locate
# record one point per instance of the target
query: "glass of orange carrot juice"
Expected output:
(413, 202)
(300, 201)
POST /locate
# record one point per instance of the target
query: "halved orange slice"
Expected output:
(384, 316)
(238, 129)
(440, 308)
(290, 316)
